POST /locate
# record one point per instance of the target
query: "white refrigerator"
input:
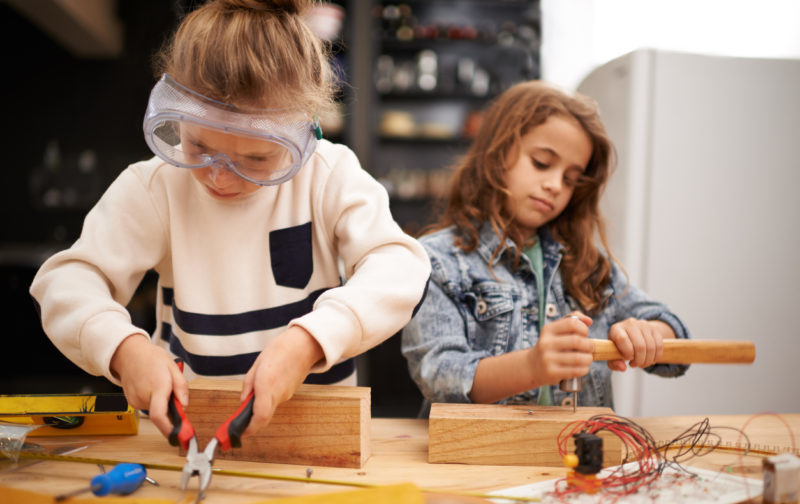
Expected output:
(704, 213)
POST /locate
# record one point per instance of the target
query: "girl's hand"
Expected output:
(563, 350)
(278, 372)
(641, 342)
(149, 376)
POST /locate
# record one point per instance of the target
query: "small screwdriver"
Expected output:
(572, 384)
(122, 479)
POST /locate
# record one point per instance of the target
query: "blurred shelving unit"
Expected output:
(435, 66)
(419, 74)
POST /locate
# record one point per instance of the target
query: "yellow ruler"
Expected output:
(737, 447)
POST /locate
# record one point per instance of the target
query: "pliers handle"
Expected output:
(228, 435)
(182, 429)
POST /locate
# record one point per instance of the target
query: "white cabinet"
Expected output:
(703, 213)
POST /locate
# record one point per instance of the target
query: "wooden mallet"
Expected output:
(676, 351)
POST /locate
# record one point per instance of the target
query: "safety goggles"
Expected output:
(262, 146)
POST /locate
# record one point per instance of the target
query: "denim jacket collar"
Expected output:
(551, 249)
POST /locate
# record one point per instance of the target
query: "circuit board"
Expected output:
(698, 486)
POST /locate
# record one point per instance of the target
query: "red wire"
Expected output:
(637, 447)
(640, 446)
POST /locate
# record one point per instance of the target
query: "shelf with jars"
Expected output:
(436, 65)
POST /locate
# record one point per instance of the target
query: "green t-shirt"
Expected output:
(534, 253)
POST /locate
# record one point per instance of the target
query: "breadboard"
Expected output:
(324, 425)
(491, 434)
(699, 486)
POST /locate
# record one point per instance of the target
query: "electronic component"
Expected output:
(586, 462)
(589, 449)
(781, 479)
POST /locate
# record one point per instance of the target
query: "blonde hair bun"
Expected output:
(292, 7)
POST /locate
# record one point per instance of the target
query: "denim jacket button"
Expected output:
(481, 306)
(551, 310)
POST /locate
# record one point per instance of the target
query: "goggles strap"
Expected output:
(317, 128)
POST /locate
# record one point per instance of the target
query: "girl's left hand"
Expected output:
(278, 372)
(641, 342)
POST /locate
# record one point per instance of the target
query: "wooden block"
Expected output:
(322, 425)
(491, 434)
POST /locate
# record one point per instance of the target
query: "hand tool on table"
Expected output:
(121, 480)
(572, 384)
(228, 435)
(676, 351)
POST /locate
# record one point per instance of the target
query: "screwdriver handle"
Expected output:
(182, 429)
(688, 351)
(123, 479)
(229, 434)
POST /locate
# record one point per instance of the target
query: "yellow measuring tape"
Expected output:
(742, 448)
(246, 474)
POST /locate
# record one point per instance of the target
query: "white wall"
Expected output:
(579, 35)
(702, 212)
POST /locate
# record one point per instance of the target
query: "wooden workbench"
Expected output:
(399, 454)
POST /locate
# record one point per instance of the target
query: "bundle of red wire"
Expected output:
(638, 444)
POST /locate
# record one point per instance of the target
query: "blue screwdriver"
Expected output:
(122, 479)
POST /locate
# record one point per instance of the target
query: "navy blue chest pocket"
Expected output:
(291, 255)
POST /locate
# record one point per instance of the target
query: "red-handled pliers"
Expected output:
(228, 435)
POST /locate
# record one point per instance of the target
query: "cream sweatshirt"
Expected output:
(320, 251)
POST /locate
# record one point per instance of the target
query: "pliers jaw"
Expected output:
(198, 464)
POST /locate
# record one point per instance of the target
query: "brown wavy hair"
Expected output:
(256, 53)
(478, 193)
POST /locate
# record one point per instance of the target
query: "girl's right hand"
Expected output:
(563, 350)
(149, 376)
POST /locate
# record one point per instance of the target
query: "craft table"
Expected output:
(399, 454)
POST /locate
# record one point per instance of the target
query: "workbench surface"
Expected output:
(399, 455)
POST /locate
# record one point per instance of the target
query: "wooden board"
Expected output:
(322, 425)
(491, 434)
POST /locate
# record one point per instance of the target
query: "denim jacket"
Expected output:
(469, 315)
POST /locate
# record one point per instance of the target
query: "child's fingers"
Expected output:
(248, 384)
(650, 345)
(654, 343)
(637, 341)
(572, 343)
(575, 360)
(166, 381)
(569, 325)
(619, 335)
(581, 317)
(159, 399)
(180, 387)
(263, 409)
(617, 365)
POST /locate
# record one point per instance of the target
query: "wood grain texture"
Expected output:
(688, 351)
(324, 425)
(491, 434)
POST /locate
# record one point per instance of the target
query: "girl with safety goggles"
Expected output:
(278, 260)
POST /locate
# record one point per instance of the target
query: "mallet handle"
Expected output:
(689, 351)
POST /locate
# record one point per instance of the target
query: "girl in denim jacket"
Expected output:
(518, 283)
